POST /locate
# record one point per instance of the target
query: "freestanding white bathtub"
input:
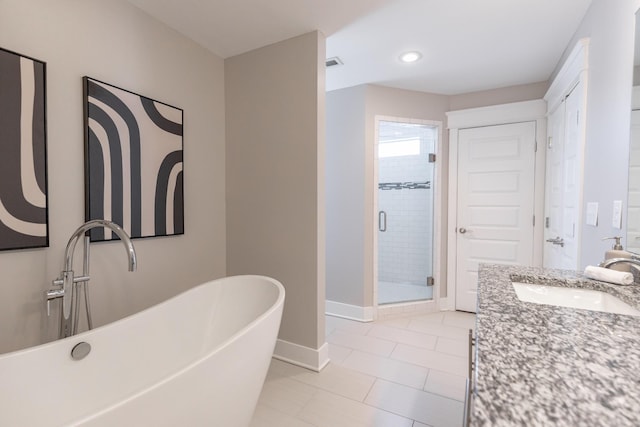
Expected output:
(198, 359)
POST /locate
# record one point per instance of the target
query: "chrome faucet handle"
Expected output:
(67, 279)
(53, 294)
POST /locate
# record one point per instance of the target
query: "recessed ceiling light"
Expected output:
(409, 57)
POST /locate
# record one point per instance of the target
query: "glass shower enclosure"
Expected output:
(406, 172)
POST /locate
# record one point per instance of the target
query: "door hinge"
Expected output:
(535, 146)
(432, 158)
(430, 281)
(546, 222)
(534, 220)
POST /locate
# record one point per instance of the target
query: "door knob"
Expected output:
(462, 230)
(557, 241)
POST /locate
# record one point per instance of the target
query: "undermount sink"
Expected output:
(586, 299)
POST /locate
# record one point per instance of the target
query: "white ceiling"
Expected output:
(467, 45)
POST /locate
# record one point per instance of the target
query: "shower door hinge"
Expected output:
(432, 158)
(430, 281)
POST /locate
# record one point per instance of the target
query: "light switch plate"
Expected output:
(592, 214)
(617, 214)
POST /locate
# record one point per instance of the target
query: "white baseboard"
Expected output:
(299, 355)
(348, 311)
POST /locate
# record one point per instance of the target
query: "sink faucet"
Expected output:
(613, 261)
(68, 280)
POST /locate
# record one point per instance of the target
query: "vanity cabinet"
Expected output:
(470, 380)
(549, 365)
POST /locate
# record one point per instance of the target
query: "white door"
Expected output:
(495, 206)
(554, 190)
(564, 184)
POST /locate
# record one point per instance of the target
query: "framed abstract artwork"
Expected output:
(133, 162)
(23, 152)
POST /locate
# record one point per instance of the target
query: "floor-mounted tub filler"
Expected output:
(198, 359)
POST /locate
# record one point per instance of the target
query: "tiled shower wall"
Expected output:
(405, 249)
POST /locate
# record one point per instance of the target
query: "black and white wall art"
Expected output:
(23, 152)
(133, 162)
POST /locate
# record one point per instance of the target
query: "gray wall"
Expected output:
(345, 172)
(610, 26)
(275, 176)
(115, 42)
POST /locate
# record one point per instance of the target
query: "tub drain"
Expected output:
(80, 350)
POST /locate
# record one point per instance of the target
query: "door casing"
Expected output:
(490, 116)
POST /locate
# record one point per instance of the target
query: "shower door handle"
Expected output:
(382, 221)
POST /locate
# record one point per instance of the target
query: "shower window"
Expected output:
(406, 147)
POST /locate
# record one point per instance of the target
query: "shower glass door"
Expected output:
(406, 171)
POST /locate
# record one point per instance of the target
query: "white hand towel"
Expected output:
(607, 275)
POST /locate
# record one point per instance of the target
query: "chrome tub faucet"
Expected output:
(68, 284)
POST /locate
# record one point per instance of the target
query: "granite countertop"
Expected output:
(542, 365)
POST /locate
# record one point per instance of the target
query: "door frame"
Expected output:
(427, 305)
(526, 111)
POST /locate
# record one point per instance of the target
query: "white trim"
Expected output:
(437, 203)
(302, 356)
(496, 114)
(569, 74)
(348, 311)
(527, 111)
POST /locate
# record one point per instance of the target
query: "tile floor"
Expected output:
(404, 372)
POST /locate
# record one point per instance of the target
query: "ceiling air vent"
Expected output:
(332, 62)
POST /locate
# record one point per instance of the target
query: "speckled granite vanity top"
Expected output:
(541, 365)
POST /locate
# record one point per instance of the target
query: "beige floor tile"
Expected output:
(333, 323)
(338, 380)
(403, 336)
(452, 346)
(460, 319)
(376, 377)
(436, 317)
(431, 359)
(415, 404)
(329, 410)
(286, 395)
(445, 384)
(338, 353)
(278, 369)
(439, 329)
(394, 321)
(265, 416)
(388, 369)
(361, 342)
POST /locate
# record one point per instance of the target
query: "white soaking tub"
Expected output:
(198, 359)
